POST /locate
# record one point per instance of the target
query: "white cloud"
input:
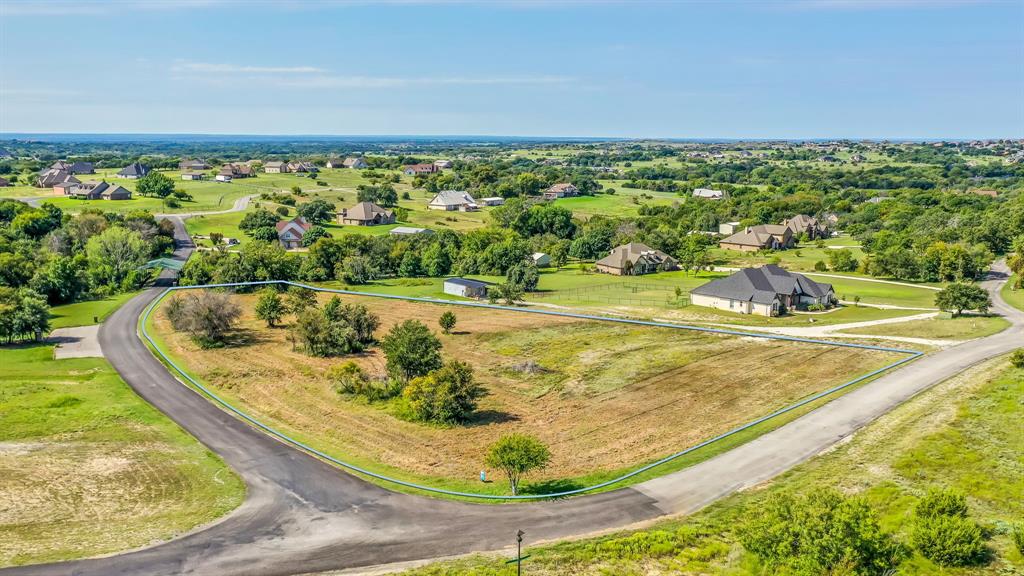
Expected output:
(211, 68)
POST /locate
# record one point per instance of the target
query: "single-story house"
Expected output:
(561, 190)
(290, 232)
(728, 228)
(541, 260)
(492, 201)
(420, 169)
(765, 291)
(67, 188)
(803, 224)
(450, 200)
(74, 167)
(236, 170)
(193, 176)
(51, 177)
(443, 164)
(275, 167)
(133, 171)
(634, 259)
(93, 190)
(409, 231)
(466, 288)
(760, 237)
(193, 165)
(302, 167)
(366, 214)
(355, 163)
(708, 194)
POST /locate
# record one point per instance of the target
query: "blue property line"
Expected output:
(913, 354)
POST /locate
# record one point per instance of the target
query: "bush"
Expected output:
(819, 533)
(1017, 535)
(820, 266)
(270, 307)
(336, 329)
(941, 503)
(207, 316)
(282, 211)
(351, 380)
(447, 321)
(1017, 358)
(444, 396)
(943, 532)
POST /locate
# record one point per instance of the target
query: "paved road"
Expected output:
(302, 515)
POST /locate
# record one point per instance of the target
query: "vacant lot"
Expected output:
(961, 328)
(606, 396)
(88, 468)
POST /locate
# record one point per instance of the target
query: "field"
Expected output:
(961, 328)
(605, 396)
(84, 313)
(1013, 297)
(88, 468)
(960, 434)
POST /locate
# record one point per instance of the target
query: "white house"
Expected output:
(223, 178)
(466, 288)
(541, 259)
(765, 291)
(409, 231)
(451, 200)
(708, 194)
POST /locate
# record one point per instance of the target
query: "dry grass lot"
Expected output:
(609, 396)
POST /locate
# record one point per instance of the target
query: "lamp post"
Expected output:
(519, 552)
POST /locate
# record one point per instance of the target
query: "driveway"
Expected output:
(77, 342)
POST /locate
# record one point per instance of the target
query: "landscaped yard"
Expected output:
(87, 312)
(88, 468)
(1013, 297)
(604, 396)
(962, 434)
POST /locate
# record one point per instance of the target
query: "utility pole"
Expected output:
(519, 552)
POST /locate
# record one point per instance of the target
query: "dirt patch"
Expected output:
(605, 396)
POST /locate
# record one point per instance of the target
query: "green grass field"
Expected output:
(961, 434)
(962, 328)
(83, 313)
(1013, 297)
(88, 468)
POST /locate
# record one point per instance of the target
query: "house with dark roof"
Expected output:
(230, 172)
(466, 288)
(102, 190)
(291, 232)
(302, 167)
(366, 214)
(451, 200)
(765, 291)
(760, 237)
(51, 177)
(634, 259)
(193, 165)
(133, 171)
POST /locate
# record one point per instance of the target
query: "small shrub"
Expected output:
(1017, 358)
(950, 541)
(444, 396)
(941, 503)
(820, 266)
(1017, 535)
(447, 321)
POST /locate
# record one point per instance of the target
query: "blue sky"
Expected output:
(807, 69)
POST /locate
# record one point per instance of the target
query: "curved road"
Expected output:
(303, 515)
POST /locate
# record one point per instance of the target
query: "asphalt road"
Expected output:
(303, 515)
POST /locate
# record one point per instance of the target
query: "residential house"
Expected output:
(93, 190)
(760, 237)
(708, 194)
(492, 201)
(541, 260)
(307, 167)
(74, 167)
(275, 167)
(451, 200)
(366, 214)
(803, 224)
(290, 232)
(352, 162)
(420, 169)
(193, 165)
(728, 228)
(466, 288)
(634, 259)
(193, 176)
(765, 291)
(443, 164)
(858, 158)
(409, 231)
(133, 171)
(561, 190)
(67, 188)
(235, 171)
(52, 176)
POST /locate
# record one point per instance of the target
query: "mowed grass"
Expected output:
(961, 328)
(87, 312)
(1013, 296)
(606, 397)
(962, 434)
(88, 468)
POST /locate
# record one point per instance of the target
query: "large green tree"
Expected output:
(517, 455)
(411, 349)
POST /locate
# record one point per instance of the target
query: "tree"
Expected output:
(298, 299)
(411, 350)
(960, 296)
(270, 307)
(842, 260)
(216, 238)
(115, 256)
(62, 279)
(447, 395)
(317, 212)
(313, 234)
(24, 314)
(523, 275)
(410, 266)
(264, 234)
(507, 292)
(356, 270)
(517, 455)
(209, 317)
(817, 534)
(155, 184)
(335, 329)
(260, 218)
(447, 321)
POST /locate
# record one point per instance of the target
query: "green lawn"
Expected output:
(84, 313)
(961, 328)
(962, 434)
(88, 468)
(1013, 297)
